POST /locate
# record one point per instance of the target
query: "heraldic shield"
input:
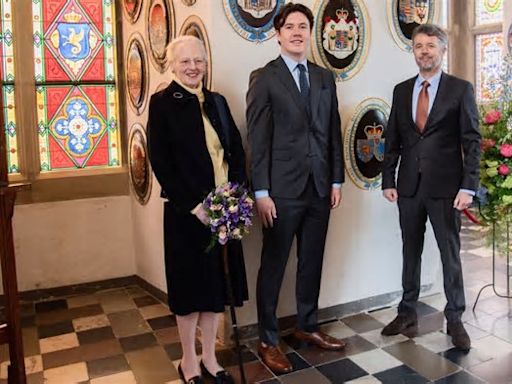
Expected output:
(74, 40)
(373, 145)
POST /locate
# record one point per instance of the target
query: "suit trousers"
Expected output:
(446, 223)
(307, 218)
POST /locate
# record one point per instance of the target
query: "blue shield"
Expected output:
(74, 40)
(378, 150)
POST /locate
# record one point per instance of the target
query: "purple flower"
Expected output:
(229, 208)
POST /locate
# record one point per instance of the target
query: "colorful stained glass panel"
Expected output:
(489, 51)
(488, 11)
(10, 129)
(77, 127)
(7, 79)
(73, 40)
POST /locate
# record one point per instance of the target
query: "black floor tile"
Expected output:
(461, 377)
(341, 371)
(297, 362)
(400, 375)
(136, 342)
(229, 357)
(144, 301)
(95, 335)
(47, 306)
(465, 359)
(162, 322)
(55, 329)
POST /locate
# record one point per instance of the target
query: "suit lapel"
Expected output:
(315, 82)
(440, 101)
(282, 72)
(408, 105)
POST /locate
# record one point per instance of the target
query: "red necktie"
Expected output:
(422, 107)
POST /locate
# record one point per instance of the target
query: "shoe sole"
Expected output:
(314, 342)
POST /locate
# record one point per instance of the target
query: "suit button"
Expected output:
(421, 137)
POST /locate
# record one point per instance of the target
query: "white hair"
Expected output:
(175, 43)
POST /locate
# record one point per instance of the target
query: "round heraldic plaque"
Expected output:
(140, 169)
(364, 143)
(341, 36)
(253, 19)
(405, 15)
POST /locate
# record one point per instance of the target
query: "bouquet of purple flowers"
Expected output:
(229, 209)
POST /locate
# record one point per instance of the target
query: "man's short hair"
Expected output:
(431, 30)
(289, 8)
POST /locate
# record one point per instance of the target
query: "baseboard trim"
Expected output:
(75, 289)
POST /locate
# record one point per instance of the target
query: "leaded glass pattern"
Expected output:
(489, 51)
(73, 40)
(75, 75)
(488, 11)
(7, 80)
(77, 127)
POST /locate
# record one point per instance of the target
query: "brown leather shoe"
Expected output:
(320, 339)
(274, 358)
(400, 324)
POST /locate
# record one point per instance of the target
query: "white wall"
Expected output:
(71, 242)
(363, 252)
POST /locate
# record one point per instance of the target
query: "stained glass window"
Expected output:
(489, 48)
(77, 110)
(7, 80)
(489, 11)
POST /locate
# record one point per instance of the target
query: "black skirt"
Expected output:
(195, 278)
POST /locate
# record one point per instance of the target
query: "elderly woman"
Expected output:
(194, 146)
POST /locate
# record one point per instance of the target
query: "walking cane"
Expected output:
(234, 324)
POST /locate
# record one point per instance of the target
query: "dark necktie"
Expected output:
(422, 107)
(304, 86)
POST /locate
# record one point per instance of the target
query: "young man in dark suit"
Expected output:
(433, 131)
(297, 171)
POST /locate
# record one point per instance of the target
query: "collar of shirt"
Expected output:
(433, 81)
(432, 91)
(292, 67)
(292, 64)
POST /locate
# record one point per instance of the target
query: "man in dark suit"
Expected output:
(433, 130)
(297, 171)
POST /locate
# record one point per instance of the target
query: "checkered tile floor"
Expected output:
(125, 335)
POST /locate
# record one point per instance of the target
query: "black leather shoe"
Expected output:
(192, 380)
(221, 377)
(460, 338)
(400, 324)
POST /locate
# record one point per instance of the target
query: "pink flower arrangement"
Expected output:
(492, 117)
(506, 150)
(503, 170)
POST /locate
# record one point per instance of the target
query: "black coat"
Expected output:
(183, 167)
(446, 154)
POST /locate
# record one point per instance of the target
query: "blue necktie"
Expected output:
(304, 87)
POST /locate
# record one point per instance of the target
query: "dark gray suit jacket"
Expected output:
(286, 146)
(447, 153)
